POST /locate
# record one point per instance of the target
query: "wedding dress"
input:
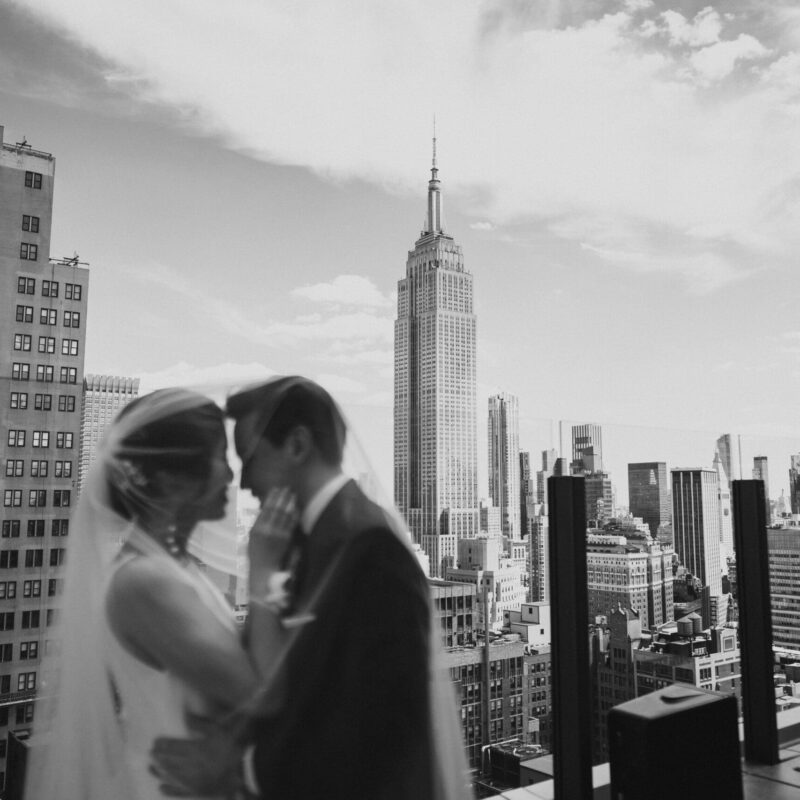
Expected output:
(154, 702)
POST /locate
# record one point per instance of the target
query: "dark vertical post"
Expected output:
(572, 706)
(755, 622)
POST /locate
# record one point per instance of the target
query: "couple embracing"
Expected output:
(332, 692)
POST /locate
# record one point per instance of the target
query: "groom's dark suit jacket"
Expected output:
(356, 719)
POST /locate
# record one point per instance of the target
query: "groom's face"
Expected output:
(267, 468)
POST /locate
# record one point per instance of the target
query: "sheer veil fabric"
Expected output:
(78, 744)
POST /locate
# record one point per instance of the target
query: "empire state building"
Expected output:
(435, 451)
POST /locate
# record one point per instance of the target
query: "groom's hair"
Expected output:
(295, 402)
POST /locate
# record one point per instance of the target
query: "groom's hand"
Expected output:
(207, 765)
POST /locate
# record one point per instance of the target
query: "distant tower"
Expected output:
(725, 515)
(648, 493)
(435, 444)
(587, 449)
(761, 472)
(103, 397)
(794, 483)
(504, 482)
(695, 524)
(549, 459)
(728, 450)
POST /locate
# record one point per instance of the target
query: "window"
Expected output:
(72, 291)
(52, 616)
(41, 438)
(54, 587)
(57, 556)
(28, 650)
(68, 375)
(22, 341)
(69, 347)
(33, 180)
(30, 223)
(43, 402)
(66, 402)
(37, 498)
(29, 252)
(60, 527)
(15, 468)
(30, 619)
(5, 684)
(24, 313)
(44, 373)
(8, 589)
(35, 527)
(19, 399)
(64, 440)
(63, 469)
(9, 559)
(48, 316)
(26, 680)
(10, 528)
(12, 497)
(49, 288)
(7, 652)
(34, 558)
(20, 372)
(47, 344)
(39, 469)
(72, 319)
(26, 285)
(7, 621)
(16, 438)
(32, 588)
(61, 498)
(25, 714)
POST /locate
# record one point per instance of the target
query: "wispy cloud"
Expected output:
(346, 290)
(580, 111)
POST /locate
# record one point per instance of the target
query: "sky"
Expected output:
(245, 180)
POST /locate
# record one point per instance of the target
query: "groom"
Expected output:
(354, 722)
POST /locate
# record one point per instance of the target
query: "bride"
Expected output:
(145, 636)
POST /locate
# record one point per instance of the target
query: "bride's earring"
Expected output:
(171, 541)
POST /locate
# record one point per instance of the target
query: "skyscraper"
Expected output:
(435, 448)
(648, 493)
(42, 330)
(587, 449)
(725, 509)
(103, 397)
(504, 482)
(761, 473)
(728, 450)
(695, 523)
(794, 483)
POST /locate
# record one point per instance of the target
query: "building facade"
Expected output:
(43, 327)
(587, 449)
(435, 446)
(794, 483)
(761, 473)
(648, 493)
(103, 396)
(784, 581)
(504, 472)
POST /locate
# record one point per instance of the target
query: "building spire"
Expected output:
(434, 193)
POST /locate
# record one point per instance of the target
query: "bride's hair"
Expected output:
(179, 443)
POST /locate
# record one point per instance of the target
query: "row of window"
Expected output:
(49, 316)
(33, 180)
(9, 559)
(72, 291)
(21, 371)
(58, 527)
(37, 498)
(24, 716)
(30, 619)
(27, 650)
(15, 468)
(17, 437)
(42, 402)
(46, 344)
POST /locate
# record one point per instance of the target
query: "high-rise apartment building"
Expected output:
(103, 397)
(435, 445)
(725, 508)
(648, 493)
(527, 492)
(504, 480)
(695, 522)
(587, 449)
(794, 483)
(784, 580)
(42, 335)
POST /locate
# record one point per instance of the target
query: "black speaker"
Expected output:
(679, 742)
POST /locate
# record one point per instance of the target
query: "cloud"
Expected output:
(558, 112)
(217, 381)
(348, 290)
(482, 226)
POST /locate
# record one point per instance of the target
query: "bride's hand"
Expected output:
(270, 536)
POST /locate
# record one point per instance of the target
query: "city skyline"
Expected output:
(604, 195)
